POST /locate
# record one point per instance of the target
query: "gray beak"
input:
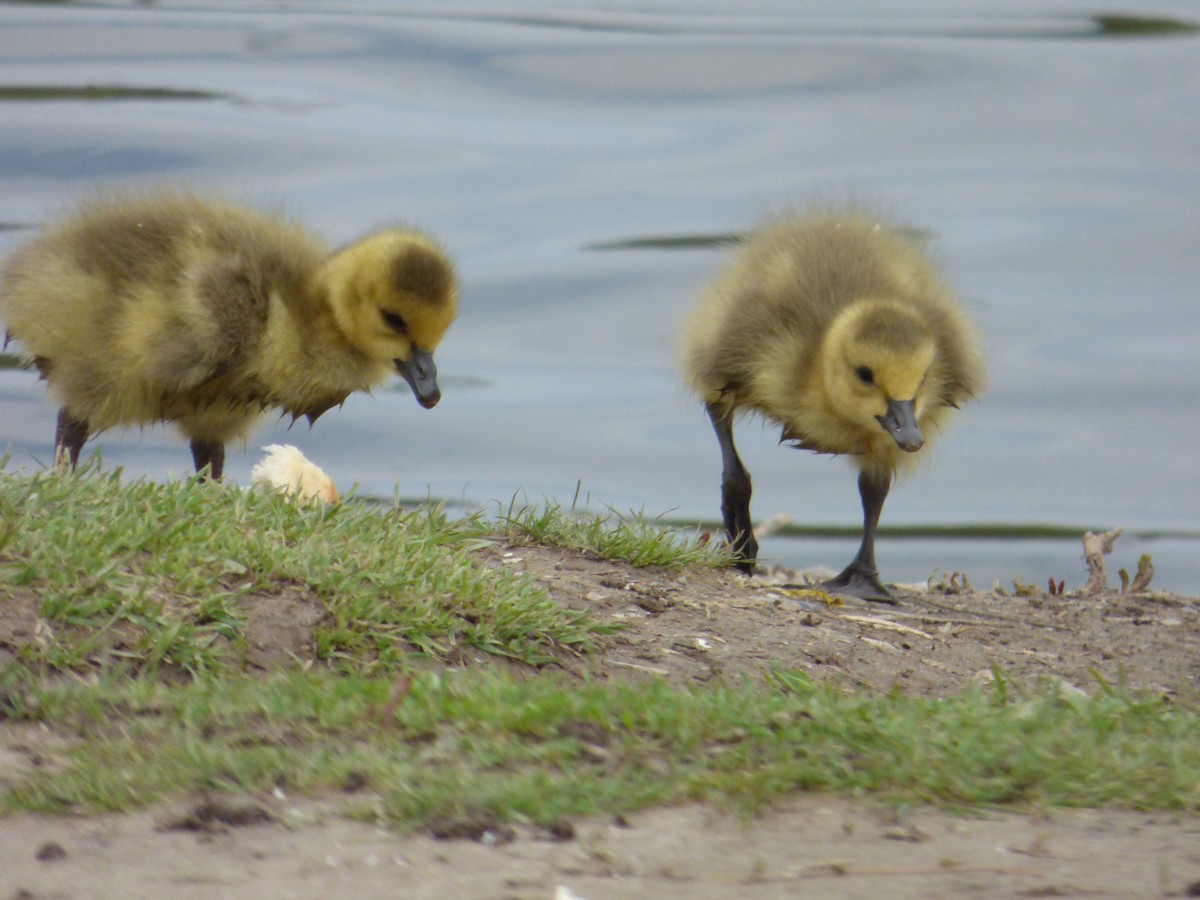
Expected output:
(900, 421)
(421, 375)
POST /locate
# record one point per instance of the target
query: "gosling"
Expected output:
(171, 307)
(839, 329)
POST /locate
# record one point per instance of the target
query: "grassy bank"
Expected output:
(147, 576)
(138, 681)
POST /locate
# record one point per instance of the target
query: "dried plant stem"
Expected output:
(1095, 548)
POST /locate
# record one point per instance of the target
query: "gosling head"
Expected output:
(876, 362)
(393, 295)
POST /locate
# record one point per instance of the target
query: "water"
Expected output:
(1053, 162)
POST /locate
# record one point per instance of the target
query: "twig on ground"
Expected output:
(886, 624)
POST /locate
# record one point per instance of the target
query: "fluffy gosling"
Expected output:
(176, 308)
(839, 329)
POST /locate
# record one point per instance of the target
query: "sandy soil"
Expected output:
(686, 627)
(809, 847)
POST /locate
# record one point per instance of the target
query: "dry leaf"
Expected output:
(1145, 572)
(1025, 590)
(812, 594)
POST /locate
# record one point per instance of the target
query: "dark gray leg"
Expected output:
(69, 438)
(861, 577)
(735, 492)
(211, 454)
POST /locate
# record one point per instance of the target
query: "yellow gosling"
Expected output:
(840, 329)
(171, 307)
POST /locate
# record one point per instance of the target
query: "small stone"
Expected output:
(50, 852)
(560, 830)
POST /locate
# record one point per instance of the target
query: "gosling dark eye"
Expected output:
(865, 375)
(395, 321)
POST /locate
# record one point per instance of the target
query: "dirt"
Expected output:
(705, 623)
(806, 847)
(687, 627)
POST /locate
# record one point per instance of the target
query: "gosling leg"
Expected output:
(861, 577)
(211, 454)
(735, 492)
(69, 438)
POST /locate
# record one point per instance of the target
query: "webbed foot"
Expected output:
(861, 583)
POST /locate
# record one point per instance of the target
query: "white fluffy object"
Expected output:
(285, 469)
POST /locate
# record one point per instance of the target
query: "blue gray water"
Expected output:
(1052, 157)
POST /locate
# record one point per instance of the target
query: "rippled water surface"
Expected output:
(1050, 152)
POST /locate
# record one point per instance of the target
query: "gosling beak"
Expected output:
(421, 375)
(900, 421)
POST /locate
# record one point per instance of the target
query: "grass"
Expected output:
(104, 92)
(959, 531)
(671, 242)
(165, 575)
(632, 538)
(1141, 26)
(134, 687)
(469, 746)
